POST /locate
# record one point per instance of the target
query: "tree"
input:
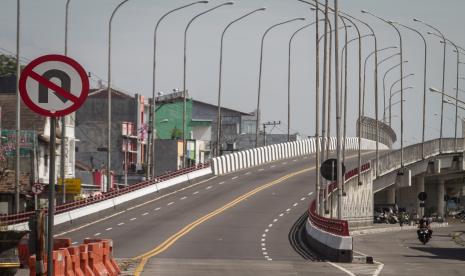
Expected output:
(176, 133)
(7, 65)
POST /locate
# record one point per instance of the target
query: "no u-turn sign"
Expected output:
(54, 85)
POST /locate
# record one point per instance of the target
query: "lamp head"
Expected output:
(300, 18)
(229, 3)
(262, 9)
(203, 2)
(313, 9)
(416, 20)
(432, 89)
(364, 11)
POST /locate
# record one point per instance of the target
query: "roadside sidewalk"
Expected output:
(383, 228)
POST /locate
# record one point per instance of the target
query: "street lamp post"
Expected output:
(390, 94)
(340, 179)
(63, 121)
(317, 106)
(152, 133)
(376, 92)
(443, 77)
(218, 118)
(401, 85)
(364, 72)
(457, 84)
(18, 106)
(109, 96)
(289, 79)
(260, 73)
(350, 19)
(424, 84)
(384, 87)
(184, 111)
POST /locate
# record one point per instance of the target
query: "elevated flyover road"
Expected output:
(235, 224)
(401, 253)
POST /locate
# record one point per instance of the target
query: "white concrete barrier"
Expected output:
(112, 202)
(254, 157)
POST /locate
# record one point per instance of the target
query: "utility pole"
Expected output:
(274, 124)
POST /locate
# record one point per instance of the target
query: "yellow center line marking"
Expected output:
(171, 240)
(175, 237)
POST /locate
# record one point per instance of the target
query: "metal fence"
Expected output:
(62, 208)
(417, 152)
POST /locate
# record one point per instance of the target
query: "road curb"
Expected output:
(361, 232)
(363, 259)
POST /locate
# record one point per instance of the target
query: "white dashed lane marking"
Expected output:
(235, 177)
(133, 219)
(196, 192)
(267, 230)
(208, 188)
(247, 173)
(97, 234)
(108, 229)
(170, 203)
(121, 223)
(156, 209)
(73, 243)
(260, 170)
(221, 183)
(144, 214)
(184, 197)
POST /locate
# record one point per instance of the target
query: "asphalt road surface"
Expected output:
(401, 253)
(236, 224)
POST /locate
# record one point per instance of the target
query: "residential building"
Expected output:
(128, 134)
(34, 151)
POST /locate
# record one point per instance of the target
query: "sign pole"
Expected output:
(51, 196)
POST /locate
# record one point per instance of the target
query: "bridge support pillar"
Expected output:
(420, 183)
(391, 195)
(440, 198)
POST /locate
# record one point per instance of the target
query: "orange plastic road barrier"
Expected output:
(75, 256)
(108, 259)
(32, 265)
(96, 259)
(58, 263)
(23, 252)
(84, 260)
(61, 243)
(69, 271)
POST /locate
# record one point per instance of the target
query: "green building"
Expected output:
(168, 118)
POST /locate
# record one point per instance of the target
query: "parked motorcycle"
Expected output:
(403, 218)
(392, 218)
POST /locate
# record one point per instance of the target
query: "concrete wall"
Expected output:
(166, 156)
(253, 157)
(92, 127)
(358, 201)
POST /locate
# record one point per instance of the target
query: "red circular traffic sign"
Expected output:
(37, 188)
(39, 89)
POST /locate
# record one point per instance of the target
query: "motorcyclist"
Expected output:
(424, 223)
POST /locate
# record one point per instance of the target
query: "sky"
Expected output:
(42, 32)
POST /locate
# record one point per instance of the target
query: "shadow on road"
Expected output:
(440, 253)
